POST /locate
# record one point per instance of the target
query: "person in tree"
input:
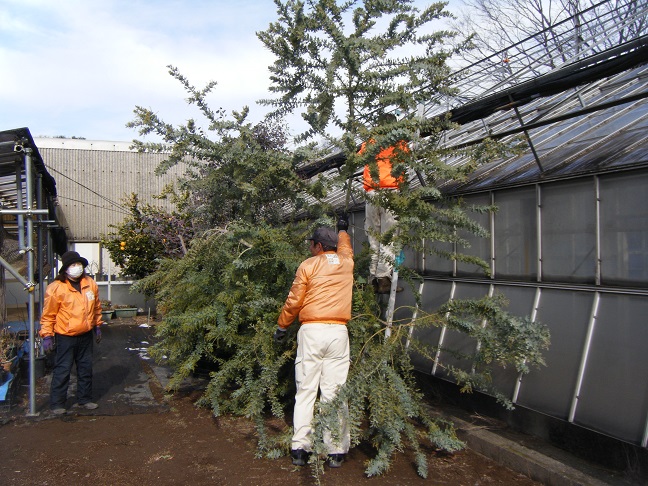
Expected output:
(379, 220)
(321, 296)
(71, 315)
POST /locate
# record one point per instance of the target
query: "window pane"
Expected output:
(434, 295)
(550, 389)
(515, 234)
(569, 232)
(479, 246)
(520, 303)
(459, 342)
(614, 395)
(435, 264)
(624, 229)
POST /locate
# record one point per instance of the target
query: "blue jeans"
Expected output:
(72, 350)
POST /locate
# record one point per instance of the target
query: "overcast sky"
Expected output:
(79, 67)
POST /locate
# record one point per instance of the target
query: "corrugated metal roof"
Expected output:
(93, 183)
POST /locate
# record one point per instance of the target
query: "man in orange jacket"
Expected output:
(379, 220)
(321, 297)
(71, 314)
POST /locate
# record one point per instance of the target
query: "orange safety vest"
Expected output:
(383, 159)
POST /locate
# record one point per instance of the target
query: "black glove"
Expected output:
(343, 222)
(98, 334)
(279, 335)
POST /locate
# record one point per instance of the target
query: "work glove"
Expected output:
(343, 222)
(279, 335)
(48, 344)
(98, 334)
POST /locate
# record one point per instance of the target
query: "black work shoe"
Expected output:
(335, 460)
(299, 457)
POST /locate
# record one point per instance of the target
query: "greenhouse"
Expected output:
(568, 242)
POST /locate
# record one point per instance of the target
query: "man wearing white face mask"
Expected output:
(71, 314)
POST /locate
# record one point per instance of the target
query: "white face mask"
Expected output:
(75, 270)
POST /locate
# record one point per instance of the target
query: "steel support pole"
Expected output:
(584, 356)
(491, 229)
(40, 245)
(414, 317)
(484, 323)
(443, 333)
(29, 186)
(597, 189)
(539, 270)
(534, 314)
(19, 206)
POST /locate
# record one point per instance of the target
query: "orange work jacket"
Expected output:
(323, 288)
(69, 312)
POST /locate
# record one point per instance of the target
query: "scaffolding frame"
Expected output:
(31, 201)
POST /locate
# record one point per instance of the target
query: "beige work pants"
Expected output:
(322, 364)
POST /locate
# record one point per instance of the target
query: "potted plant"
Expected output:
(125, 310)
(106, 310)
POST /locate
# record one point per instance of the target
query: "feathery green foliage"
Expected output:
(221, 300)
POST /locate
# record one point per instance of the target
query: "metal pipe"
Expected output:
(534, 314)
(443, 333)
(19, 206)
(39, 246)
(484, 323)
(491, 229)
(539, 232)
(30, 276)
(23, 212)
(414, 317)
(598, 263)
(4, 263)
(527, 135)
(585, 355)
(543, 285)
(423, 258)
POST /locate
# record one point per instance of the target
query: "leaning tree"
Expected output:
(341, 65)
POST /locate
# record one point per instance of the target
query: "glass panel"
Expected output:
(405, 303)
(614, 395)
(356, 230)
(457, 341)
(516, 252)
(569, 232)
(624, 229)
(479, 246)
(434, 295)
(520, 303)
(549, 389)
(435, 264)
(412, 259)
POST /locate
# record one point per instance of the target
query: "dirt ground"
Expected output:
(177, 443)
